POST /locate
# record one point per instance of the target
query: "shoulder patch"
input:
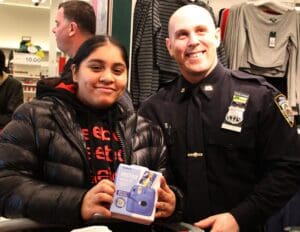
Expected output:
(285, 109)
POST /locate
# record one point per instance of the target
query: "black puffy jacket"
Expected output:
(43, 164)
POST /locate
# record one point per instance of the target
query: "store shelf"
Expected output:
(28, 68)
(26, 59)
(26, 84)
(18, 75)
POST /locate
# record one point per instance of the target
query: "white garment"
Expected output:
(92, 229)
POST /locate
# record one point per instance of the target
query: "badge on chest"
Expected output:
(235, 115)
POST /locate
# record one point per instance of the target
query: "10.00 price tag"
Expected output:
(26, 58)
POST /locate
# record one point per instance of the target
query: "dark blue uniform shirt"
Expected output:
(249, 173)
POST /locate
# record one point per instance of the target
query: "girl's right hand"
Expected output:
(98, 200)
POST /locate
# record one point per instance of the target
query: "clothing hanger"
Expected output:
(206, 2)
(194, 1)
(272, 6)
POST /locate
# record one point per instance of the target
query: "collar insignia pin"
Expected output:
(208, 88)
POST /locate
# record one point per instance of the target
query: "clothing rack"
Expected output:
(288, 3)
(207, 1)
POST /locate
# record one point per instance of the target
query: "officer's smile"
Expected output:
(196, 54)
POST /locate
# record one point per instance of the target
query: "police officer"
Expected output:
(231, 136)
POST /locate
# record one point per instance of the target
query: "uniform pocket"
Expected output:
(233, 140)
(236, 152)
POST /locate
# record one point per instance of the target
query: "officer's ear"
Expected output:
(217, 39)
(169, 47)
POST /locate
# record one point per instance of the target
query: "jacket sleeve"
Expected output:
(24, 189)
(278, 152)
(14, 98)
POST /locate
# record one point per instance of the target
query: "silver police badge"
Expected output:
(235, 115)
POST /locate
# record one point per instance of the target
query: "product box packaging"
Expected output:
(136, 194)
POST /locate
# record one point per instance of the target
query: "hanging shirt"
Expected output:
(264, 44)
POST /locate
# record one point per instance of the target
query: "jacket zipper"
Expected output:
(122, 142)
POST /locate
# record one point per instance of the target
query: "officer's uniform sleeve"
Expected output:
(279, 164)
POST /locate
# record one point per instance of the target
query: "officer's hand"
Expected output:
(166, 202)
(98, 200)
(224, 222)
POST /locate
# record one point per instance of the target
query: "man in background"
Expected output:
(75, 23)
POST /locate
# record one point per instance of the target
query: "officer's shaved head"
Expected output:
(190, 11)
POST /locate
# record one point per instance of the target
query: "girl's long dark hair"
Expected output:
(97, 41)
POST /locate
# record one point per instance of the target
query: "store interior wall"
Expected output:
(16, 22)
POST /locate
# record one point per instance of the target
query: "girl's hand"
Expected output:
(97, 200)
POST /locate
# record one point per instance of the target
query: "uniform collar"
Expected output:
(207, 86)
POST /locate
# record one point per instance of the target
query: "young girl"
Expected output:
(60, 152)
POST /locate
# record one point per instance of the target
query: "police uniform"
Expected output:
(232, 145)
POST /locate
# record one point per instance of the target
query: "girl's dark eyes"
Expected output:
(119, 70)
(97, 67)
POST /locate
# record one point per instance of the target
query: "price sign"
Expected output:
(26, 58)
